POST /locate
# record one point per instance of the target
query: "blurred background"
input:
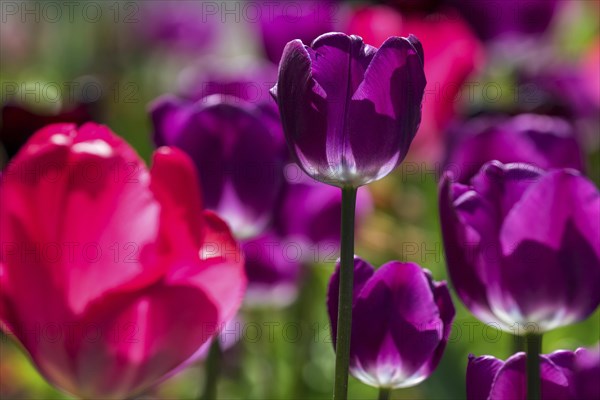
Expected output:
(485, 60)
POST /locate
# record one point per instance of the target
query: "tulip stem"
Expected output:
(213, 369)
(384, 393)
(344, 318)
(534, 349)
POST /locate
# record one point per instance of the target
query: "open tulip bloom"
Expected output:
(349, 113)
(401, 323)
(112, 275)
(522, 247)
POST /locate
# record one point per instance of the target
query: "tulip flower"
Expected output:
(349, 113)
(543, 141)
(238, 150)
(112, 275)
(401, 324)
(349, 110)
(522, 250)
(521, 245)
(564, 375)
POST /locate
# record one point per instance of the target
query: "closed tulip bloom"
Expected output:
(349, 110)
(239, 152)
(522, 245)
(112, 275)
(562, 377)
(401, 323)
(543, 141)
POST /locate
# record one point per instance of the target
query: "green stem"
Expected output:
(213, 369)
(534, 348)
(344, 320)
(384, 393)
(519, 344)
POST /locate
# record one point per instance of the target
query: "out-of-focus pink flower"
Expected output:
(591, 68)
(452, 53)
(112, 275)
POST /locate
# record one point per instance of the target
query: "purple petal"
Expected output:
(481, 373)
(587, 370)
(574, 198)
(363, 271)
(169, 115)
(447, 311)
(339, 63)
(510, 382)
(387, 105)
(405, 328)
(552, 266)
(300, 100)
(237, 154)
(459, 250)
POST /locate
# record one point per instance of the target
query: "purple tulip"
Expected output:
(565, 375)
(522, 245)
(494, 19)
(239, 155)
(401, 323)
(309, 213)
(273, 269)
(546, 142)
(349, 110)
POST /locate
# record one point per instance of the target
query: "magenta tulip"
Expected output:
(112, 274)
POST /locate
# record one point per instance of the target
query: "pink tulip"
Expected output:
(112, 274)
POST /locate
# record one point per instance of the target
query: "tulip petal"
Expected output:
(392, 92)
(363, 271)
(510, 382)
(219, 271)
(405, 328)
(459, 249)
(169, 115)
(302, 99)
(142, 339)
(481, 372)
(537, 248)
(174, 184)
(575, 199)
